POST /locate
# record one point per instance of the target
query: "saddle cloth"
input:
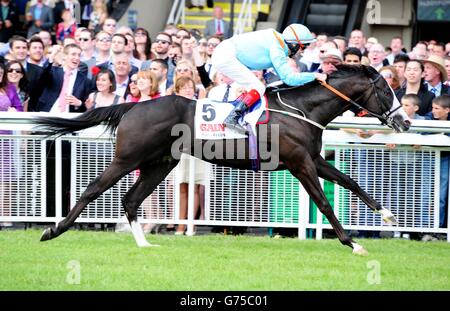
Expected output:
(210, 114)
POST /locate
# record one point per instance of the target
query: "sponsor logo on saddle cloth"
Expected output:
(210, 114)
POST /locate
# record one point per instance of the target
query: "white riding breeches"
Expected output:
(225, 61)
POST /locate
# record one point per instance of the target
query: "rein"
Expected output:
(383, 117)
(287, 113)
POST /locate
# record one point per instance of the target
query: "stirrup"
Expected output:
(236, 127)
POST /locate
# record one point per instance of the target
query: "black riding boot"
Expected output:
(232, 121)
(244, 102)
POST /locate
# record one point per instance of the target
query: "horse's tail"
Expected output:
(61, 126)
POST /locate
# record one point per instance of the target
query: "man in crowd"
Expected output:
(352, 56)
(87, 46)
(439, 50)
(400, 64)
(39, 17)
(9, 19)
(217, 26)
(159, 68)
(357, 40)
(435, 74)
(331, 58)
(18, 49)
(377, 57)
(122, 73)
(36, 51)
(65, 88)
(447, 68)
(396, 49)
(162, 45)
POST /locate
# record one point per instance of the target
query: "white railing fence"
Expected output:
(404, 179)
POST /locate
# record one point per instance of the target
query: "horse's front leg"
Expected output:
(327, 171)
(305, 170)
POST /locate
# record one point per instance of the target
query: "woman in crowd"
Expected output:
(389, 73)
(98, 15)
(16, 76)
(202, 47)
(186, 69)
(104, 96)
(182, 33)
(143, 45)
(67, 27)
(133, 92)
(147, 83)
(10, 102)
(185, 86)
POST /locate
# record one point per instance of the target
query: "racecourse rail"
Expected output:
(404, 179)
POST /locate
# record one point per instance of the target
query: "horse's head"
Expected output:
(379, 99)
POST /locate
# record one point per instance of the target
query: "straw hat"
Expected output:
(439, 63)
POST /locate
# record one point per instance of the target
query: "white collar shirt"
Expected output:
(121, 88)
(69, 91)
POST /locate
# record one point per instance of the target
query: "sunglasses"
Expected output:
(10, 70)
(84, 39)
(162, 41)
(183, 69)
(213, 45)
(104, 39)
(133, 81)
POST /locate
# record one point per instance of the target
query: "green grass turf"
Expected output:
(111, 261)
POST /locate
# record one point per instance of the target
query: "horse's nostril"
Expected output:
(407, 124)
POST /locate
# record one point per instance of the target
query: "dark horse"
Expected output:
(144, 141)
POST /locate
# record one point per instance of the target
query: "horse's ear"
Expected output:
(369, 71)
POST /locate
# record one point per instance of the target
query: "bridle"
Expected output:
(385, 117)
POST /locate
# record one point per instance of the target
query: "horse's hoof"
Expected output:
(388, 217)
(359, 250)
(46, 235)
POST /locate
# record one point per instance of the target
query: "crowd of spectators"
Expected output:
(72, 56)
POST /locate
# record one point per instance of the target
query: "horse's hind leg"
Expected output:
(305, 170)
(111, 175)
(330, 173)
(149, 178)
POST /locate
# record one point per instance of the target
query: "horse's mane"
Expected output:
(344, 71)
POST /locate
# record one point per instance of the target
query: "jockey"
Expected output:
(258, 50)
